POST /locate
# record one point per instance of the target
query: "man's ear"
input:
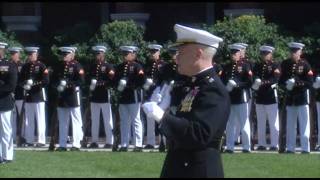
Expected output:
(199, 53)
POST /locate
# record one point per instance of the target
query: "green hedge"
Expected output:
(10, 39)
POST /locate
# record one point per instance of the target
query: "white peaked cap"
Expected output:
(191, 35)
(296, 45)
(266, 48)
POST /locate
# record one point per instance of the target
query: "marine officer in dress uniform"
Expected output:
(8, 81)
(297, 78)
(194, 134)
(154, 72)
(266, 75)
(130, 78)
(35, 76)
(70, 81)
(19, 92)
(251, 64)
(102, 76)
(237, 75)
(316, 86)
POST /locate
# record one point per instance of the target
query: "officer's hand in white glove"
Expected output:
(166, 98)
(230, 85)
(63, 83)
(122, 85)
(93, 84)
(27, 87)
(60, 88)
(316, 85)
(153, 111)
(30, 82)
(290, 84)
(257, 83)
(147, 84)
(156, 96)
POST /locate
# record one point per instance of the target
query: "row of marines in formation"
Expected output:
(24, 85)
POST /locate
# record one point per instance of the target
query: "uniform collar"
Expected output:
(207, 72)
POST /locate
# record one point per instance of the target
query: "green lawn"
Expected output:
(108, 164)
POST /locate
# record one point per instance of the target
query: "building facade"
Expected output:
(35, 20)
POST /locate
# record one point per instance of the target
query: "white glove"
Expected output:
(166, 101)
(232, 82)
(156, 96)
(257, 83)
(122, 85)
(290, 84)
(147, 84)
(27, 87)
(153, 111)
(63, 83)
(60, 88)
(316, 85)
(30, 82)
(93, 84)
(230, 85)
(166, 97)
(92, 87)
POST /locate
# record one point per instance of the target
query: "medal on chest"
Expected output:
(70, 70)
(239, 69)
(131, 69)
(36, 69)
(103, 69)
(300, 69)
(186, 104)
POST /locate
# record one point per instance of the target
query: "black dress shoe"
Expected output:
(115, 148)
(94, 145)
(40, 145)
(229, 151)
(137, 149)
(261, 148)
(246, 151)
(7, 161)
(61, 149)
(123, 149)
(274, 149)
(289, 152)
(74, 149)
(162, 148)
(108, 146)
(27, 145)
(305, 152)
(236, 143)
(149, 146)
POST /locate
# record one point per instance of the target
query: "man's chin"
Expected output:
(182, 72)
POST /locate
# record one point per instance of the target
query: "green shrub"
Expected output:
(76, 36)
(118, 33)
(10, 39)
(253, 30)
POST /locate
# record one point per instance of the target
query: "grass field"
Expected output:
(130, 164)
